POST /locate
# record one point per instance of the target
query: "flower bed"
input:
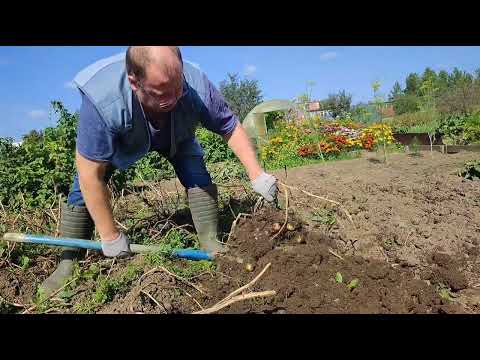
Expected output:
(316, 139)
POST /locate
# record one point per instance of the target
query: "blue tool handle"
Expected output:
(189, 254)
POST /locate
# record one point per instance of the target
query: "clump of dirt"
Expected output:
(303, 276)
(447, 272)
(157, 293)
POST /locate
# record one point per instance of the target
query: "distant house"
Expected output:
(386, 109)
(314, 108)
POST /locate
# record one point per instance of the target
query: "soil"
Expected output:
(415, 232)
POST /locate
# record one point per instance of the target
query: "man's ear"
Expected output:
(133, 82)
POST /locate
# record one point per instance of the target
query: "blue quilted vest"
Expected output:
(106, 84)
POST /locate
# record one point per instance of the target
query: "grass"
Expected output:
(108, 287)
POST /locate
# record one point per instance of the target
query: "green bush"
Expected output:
(461, 130)
(42, 167)
(216, 148)
(410, 121)
(471, 170)
(34, 173)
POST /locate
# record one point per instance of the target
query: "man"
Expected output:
(147, 100)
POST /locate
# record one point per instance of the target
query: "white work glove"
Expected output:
(266, 185)
(120, 247)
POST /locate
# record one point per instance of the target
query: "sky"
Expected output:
(31, 77)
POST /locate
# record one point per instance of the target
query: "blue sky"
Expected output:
(31, 77)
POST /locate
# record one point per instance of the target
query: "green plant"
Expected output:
(325, 217)
(108, 287)
(241, 95)
(471, 170)
(445, 294)
(24, 262)
(338, 278)
(34, 173)
(353, 284)
(215, 147)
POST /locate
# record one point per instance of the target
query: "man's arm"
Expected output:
(91, 176)
(242, 147)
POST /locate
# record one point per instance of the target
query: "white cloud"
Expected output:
(330, 55)
(249, 69)
(70, 85)
(37, 114)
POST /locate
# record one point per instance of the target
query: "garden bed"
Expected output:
(413, 247)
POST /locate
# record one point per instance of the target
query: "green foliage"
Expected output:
(152, 167)
(450, 93)
(339, 104)
(325, 217)
(272, 117)
(42, 167)
(224, 172)
(461, 130)
(471, 171)
(353, 284)
(338, 278)
(408, 122)
(406, 103)
(108, 287)
(216, 148)
(241, 95)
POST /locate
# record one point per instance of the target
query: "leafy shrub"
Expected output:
(34, 173)
(471, 170)
(216, 148)
(461, 130)
(405, 123)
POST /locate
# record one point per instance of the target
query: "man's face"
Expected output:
(160, 90)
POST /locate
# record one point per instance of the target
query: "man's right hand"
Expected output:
(120, 247)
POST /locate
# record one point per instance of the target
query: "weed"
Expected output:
(24, 262)
(107, 288)
(445, 293)
(353, 284)
(325, 217)
(338, 278)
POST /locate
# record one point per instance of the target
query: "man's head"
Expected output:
(155, 73)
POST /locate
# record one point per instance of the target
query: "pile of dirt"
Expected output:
(303, 276)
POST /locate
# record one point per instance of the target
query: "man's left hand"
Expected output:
(266, 185)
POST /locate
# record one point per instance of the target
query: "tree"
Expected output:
(396, 92)
(339, 104)
(442, 80)
(412, 84)
(429, 75)
(406, 104)
(241, 95)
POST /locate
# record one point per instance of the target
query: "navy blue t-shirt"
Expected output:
(96, 142)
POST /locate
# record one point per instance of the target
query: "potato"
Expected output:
(290, 227)
(276, 227)
(299, 239)
(249, 267)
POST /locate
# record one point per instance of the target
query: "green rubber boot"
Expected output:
(75, 223)
(203, 204)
